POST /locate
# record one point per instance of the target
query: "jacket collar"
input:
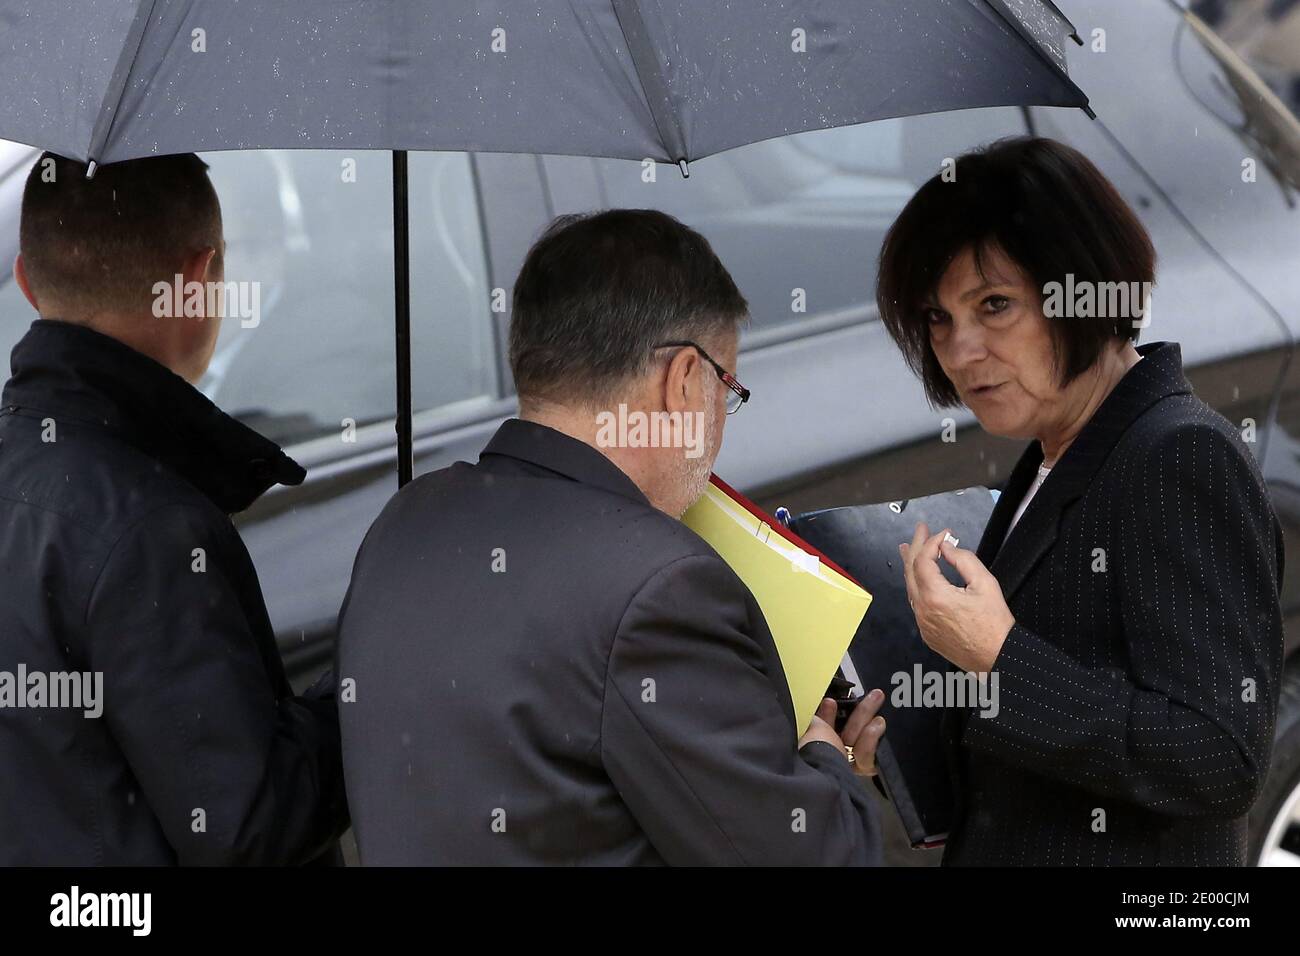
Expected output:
(73, 373)
(555, 451)
(1158, 375)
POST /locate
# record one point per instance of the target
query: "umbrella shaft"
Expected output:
(402, 316)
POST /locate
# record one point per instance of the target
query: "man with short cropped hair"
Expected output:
(548, 667)
(119, 559)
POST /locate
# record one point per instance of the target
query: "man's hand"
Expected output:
(862, 732)
(964, 625)
(823, 727)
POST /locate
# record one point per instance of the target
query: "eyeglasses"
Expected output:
(738, 394)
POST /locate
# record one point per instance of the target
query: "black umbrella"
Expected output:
(669, 80)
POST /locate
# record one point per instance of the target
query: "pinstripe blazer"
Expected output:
(1138, 689)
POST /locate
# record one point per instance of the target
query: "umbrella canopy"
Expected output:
(669, 80)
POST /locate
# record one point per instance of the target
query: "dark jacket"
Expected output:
(548, 670)
(1138, 688)
(117, 557)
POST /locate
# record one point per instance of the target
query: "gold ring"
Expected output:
(848, 752)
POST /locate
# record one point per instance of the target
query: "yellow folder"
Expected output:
(812, 608)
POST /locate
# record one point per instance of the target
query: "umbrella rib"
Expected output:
(117, 84)
(648, 71)
(1074, 31)
(999, 7)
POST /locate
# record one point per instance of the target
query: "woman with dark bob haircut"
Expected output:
(1123, 602)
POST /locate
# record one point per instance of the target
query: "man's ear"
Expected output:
(681, 381)
(197, 267)
(20, 276)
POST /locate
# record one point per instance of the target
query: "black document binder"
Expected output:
(864, 539)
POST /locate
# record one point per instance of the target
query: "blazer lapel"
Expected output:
(1159, 374)
(1022, 476)
(1035, 532)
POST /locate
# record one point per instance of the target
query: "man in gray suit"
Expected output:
(539, 663)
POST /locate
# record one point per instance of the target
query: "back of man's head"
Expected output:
(94, 246)
(597, 294)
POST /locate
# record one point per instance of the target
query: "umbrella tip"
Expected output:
(685, 168)
(90, 169)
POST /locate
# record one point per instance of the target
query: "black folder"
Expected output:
(864, 539)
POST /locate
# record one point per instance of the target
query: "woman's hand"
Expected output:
(966, 626)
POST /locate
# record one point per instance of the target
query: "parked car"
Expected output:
(836, 418)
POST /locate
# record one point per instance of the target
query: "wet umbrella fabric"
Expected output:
(668, 80)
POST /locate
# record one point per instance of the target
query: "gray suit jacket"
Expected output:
(548, 670)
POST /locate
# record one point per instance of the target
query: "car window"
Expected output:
(799, 220)
(453, 346)
(16, 314)
(310, 233)
(314, 229)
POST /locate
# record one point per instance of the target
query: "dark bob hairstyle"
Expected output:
(1048, 209)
